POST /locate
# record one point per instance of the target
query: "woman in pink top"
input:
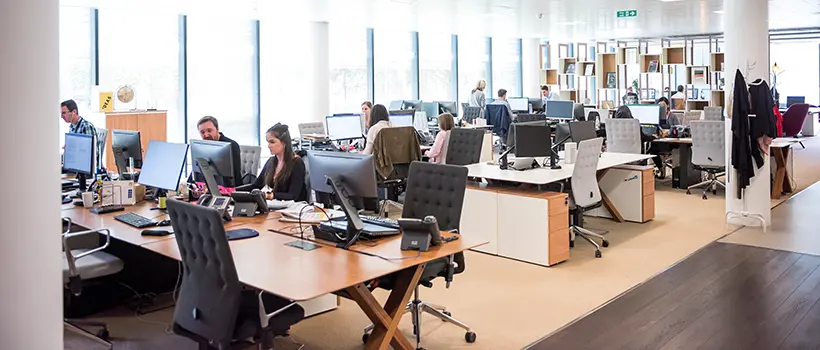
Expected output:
(438, 153)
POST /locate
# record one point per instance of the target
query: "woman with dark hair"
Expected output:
(379, 119)
(284, 172)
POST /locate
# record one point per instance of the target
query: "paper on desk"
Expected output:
(276, 204)
(309, 214)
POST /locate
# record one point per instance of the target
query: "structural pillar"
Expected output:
(531, 67)
(746, 27)
(319, 41)
(30, 245)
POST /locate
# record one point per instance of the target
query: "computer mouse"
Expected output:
(164, 223)
(156, 232)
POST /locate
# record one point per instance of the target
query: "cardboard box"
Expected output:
(122, 193)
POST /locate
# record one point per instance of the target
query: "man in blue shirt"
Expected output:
(502, 100)
(71, 115)
(547, 95)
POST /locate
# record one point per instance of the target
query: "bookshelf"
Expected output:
(673, 55)
(650, 63)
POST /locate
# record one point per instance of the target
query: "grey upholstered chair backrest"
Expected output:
(437, 190)
(209, 297)
(690, 116)
(102, 136)
(623, 135)
(464, 147)
(713, 113)
(585, 191)
(249, 158)
(708, 143)
(312, 128)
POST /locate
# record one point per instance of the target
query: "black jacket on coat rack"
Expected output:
(765, 122)
(741, 135)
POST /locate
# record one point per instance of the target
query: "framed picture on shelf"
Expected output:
(699, 76)
(570, 68)
(631, 55)
(690, 93)
(653, 66)
(611, 80)
(589, 69)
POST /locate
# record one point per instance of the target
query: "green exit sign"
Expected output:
(627, 13)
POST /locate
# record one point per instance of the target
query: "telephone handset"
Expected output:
(220, 203)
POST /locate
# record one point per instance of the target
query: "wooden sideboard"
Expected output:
(152, 125)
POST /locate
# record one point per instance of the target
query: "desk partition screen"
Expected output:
(646, 114)
(343, 127)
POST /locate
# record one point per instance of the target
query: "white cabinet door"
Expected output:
(479, 218)
(523, 228)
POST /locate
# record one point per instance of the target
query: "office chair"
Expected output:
(393, 150)
(690, 116)
(87, 264)
(250, 157)
(585, 194)
(464, 146)
(437, 190)
(471, 114)
(578, 112)
(499, 117)
(793, 120)
(102, 136)
(712, 113)
(708, 153)
(623, 136)
(213, 309)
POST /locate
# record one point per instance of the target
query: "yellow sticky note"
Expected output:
(107, 101)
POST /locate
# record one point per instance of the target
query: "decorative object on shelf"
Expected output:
(570, 68)
(611, 80)
(125, 94)
(699, 76)
(631, 55)
(703, 94)
(107, 101)
(690, 93)
(589, 69)
(653, 66)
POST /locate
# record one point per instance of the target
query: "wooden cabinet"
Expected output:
(152, 126)
(631, 190)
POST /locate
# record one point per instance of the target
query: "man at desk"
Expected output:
(209, 130)
(502, 100)
(71, 115)
(547, 95)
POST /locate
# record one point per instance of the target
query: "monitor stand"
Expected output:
(354, 223)
(503, 160)
(210, 180)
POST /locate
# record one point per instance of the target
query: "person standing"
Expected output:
(477, 98)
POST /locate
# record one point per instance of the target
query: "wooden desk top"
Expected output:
(687, 141)
(265, 262)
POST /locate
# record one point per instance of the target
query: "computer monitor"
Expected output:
(356, 171)
(344, 127)
(163, 165)
(410, 104)
(213, 160)
(563, 134)
(448, 107)
(404, 118)
(537, 104)
(78, 156)
(556, 109)
(126, 145)
(582, 131)
(519, 104)
(431, 108)
(533, 141)
(790, 100)
(646, 114)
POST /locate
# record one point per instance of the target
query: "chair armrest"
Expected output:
(74, 282)
(68, 225)
(245, 188)
(264, 317)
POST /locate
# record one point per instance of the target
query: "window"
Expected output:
(75, 59)
(436, 67)
(507, 66)
(473, 59)
(348, 68)
(393, 61)
(798, 62)
(142, 50)
(222, 76)
(285, 78)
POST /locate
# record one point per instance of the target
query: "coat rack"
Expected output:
(744, 211)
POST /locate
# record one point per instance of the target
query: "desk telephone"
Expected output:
(220, 203)
(248, 203)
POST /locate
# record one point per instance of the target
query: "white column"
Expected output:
(531, 67)
(319, 91)
(31, 291)
(746, 26)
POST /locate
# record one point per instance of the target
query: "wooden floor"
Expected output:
(724, 297)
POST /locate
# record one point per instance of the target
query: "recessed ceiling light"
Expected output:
(720, 12)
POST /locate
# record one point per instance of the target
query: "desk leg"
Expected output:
(616, 215)
(778, 187)
(386, 319)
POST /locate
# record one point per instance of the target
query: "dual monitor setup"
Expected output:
(534, 140)
(553, 109)
(350, 126)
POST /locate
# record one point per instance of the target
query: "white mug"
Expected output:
(570, 150)
(88, 199)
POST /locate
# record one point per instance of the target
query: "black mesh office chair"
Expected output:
(471, 114)
(437, 190)
(213, 309)
(464, 147)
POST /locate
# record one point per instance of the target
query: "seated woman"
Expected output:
(284, 172)
(438, 152)
(379, 119)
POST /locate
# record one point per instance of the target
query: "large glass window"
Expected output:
(141, 49)
(436, 67)
(798, 61)
(507, 66)
(75, 59)
(473, 59)
(348, 68)
(393, 61)
(285, 75)
(222, 76)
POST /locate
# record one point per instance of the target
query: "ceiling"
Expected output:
(564, 20)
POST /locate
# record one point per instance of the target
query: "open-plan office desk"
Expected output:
(266, 263)
(532, 225)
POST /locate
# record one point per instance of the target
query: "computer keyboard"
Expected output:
(107, 209)
(380, 221)
(135, 220)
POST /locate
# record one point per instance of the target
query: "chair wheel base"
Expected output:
(598, 254)
(688, 192)
(572, 244)
(446, 313)
(704, 197)
(103, 334)
(605, 243)
(470, 337)
(364, 337)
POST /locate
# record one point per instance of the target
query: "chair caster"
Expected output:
(470, 337)
(688, 192)
(103, 334)
(605, 243)
(704, 197)
(572, 244)
(364, 337)
(597, 253)
(714, 192)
